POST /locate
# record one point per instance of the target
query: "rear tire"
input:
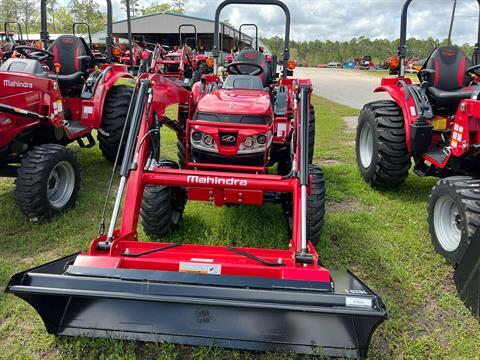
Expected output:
(315, 206)
(381, 148)
(162, 209)
(47, 182)
(115, 112)
(454, 215)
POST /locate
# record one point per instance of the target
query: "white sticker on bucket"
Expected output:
(200, 268)
(358, 302)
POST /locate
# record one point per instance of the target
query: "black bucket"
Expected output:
(467, 276)
(249, 313)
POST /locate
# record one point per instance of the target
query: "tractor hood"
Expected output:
(236, 101)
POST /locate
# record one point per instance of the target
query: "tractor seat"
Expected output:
(68, 81)
(254, 56)
(450, 99)
(75, 58)
(450, 83)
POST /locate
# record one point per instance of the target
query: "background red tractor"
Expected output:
(435, 124)
(184, 64)
(48, 99)
(8, 41)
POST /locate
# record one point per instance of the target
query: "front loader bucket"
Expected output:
(239, 312)
(467, 276)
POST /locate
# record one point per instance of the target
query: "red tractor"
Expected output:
(48, 99)
(8, 41)
(184, 64)
(230, 136)
(435, 124)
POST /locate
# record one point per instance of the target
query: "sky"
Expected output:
(344, 19)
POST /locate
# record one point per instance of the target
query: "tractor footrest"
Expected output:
(437, 154)
(75, 130)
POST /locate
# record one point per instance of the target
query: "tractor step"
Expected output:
(437, 154)
(242, 312)
(75, 130)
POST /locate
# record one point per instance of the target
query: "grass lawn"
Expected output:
(380, 236)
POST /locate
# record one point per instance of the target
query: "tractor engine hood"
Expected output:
(236, 101)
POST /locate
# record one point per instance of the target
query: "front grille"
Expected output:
(228, 118)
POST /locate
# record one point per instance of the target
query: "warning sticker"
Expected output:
(87, 110)
(200, 268)
(281, 129)
(413, 112)
(358, 302)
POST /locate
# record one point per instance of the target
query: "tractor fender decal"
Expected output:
(116, 79)
(125, 81)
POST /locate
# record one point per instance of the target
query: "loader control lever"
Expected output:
(472, 70)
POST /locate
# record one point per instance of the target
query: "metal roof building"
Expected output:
(163, 28)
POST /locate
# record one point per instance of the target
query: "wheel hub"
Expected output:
(448, 223)
(365, 145)
(60, 184)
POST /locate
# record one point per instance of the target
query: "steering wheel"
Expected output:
(473, 70)
(234, 68)
(34, 53)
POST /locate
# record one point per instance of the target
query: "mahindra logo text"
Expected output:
(14, 83)
(228, 138)
(194, 179)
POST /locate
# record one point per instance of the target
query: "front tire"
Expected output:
(381, 149)
(162, 209)
(315, 206)
(115, 112)
(454, 215)
(48, 182)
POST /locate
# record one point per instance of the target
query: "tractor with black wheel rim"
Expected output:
(59, 97)
(432, 126)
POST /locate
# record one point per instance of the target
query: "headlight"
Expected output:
(248, 143)
(196, 136)
(261, 139)
(208, 140)
(202, 141)
(255, 144)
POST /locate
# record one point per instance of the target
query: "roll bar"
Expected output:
(402, 49)
(286, 50)
(180, 34)
(108, 40)
(77, 24)
(19, 29)
(240, 35)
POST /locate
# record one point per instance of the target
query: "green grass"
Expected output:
(381, 236)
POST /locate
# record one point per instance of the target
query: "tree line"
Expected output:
(61, 16)
(322, 52)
